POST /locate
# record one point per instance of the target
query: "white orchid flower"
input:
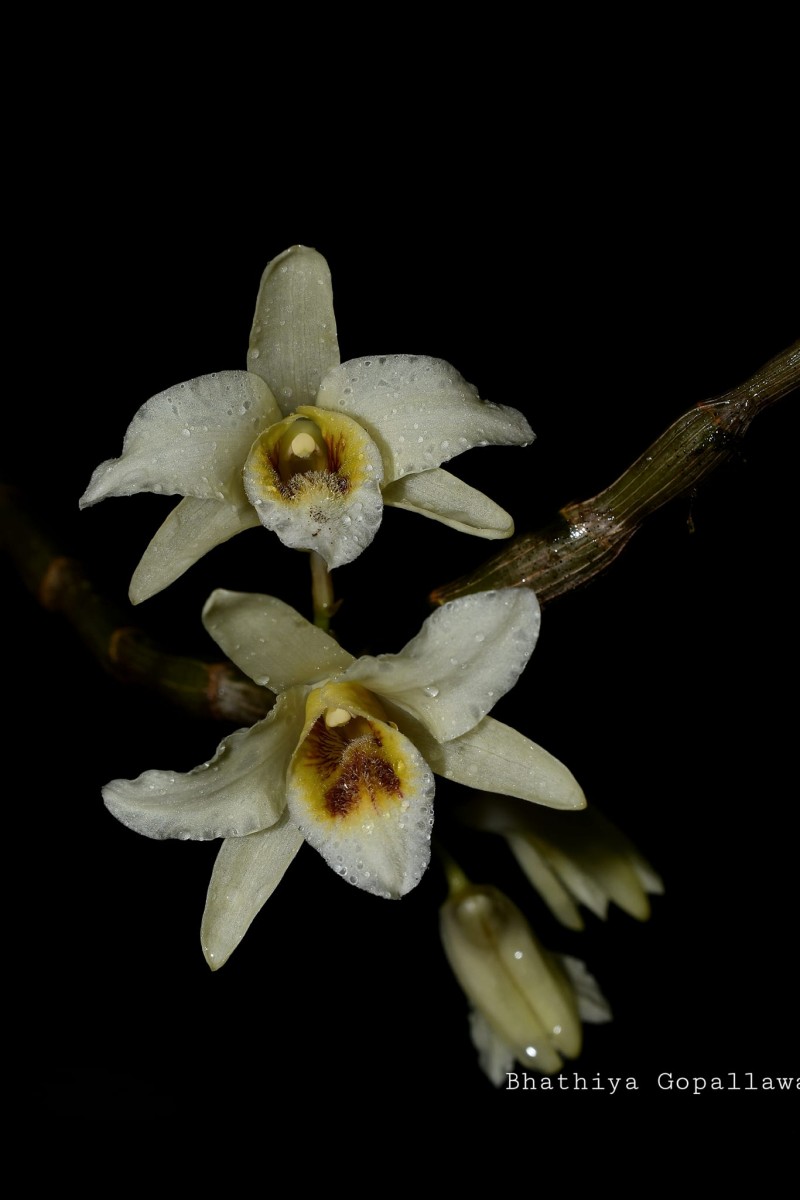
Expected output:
(345, 759)
(527, 1004)
(307, 446)
(587, 860)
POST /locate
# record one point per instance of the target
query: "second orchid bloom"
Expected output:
(309, 447)
(345, 760)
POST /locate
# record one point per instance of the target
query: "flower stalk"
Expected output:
(322, 593)
(457, 880)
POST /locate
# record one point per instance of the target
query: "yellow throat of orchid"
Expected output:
(310, 453)
(351, 763)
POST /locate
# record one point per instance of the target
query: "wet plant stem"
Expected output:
(587, 536)
(60, 584)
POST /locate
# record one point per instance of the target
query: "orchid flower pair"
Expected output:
(345, 759)
(309, 447)
(312, 449)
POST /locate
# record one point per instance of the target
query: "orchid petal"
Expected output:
(592, 1004)
(545, 865)
(467, 655)
(240, 791)
(595, 860)
(614, 875)
(443, 497)
(361, 792)
(293, 340)
(192, 529)
(420, 411)
(271, 642)
(546, 882)
(649, 878)
(190, 440)
(246, 872)
(592, 860)
(495, 1057)
(496, 758)
(327, 500)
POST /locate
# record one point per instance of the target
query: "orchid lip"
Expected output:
(314, 479)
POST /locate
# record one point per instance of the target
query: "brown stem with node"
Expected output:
(587, 536)
(60, 584)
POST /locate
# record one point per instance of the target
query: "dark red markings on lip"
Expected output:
(363, 770)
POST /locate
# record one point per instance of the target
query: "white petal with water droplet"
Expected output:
(242, 789)
(493, 757)
(419, 410)
(190, 440)
(471, 651)
(246, 872)
(192, 529)
(443, 497)
(293, 339)
(271, 642)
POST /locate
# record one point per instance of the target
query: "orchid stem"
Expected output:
(322, 592)
(60, 584)
(586, 537)
(581, 542)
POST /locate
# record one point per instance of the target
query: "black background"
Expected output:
(601, 306)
